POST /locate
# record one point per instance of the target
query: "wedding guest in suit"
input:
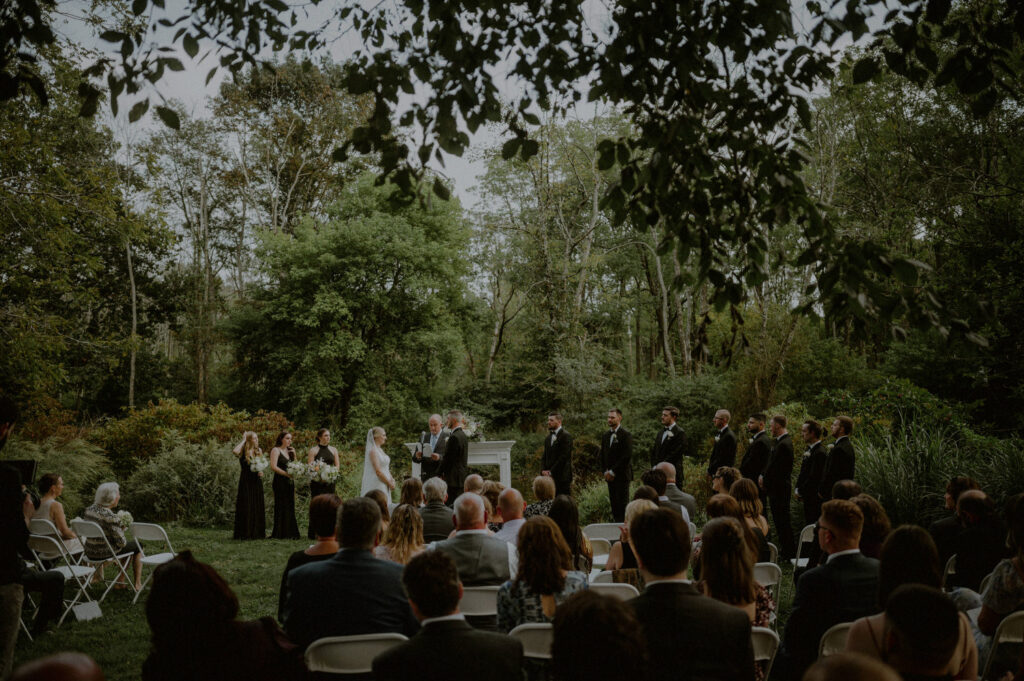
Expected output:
(945, 530)
(438, 522)
(758, 450)
(616, 461)
(673, 492)
(455, 460)
(688, 635)
(846, 489)
(842, 589)
(670, 442)
(724, 451)
(655, 479)
(481, 558)
(412, 493)
(435, 437)
(352, 592)
(511, 503)
(839, 461)
(474, 483)
(597, 637)
(981, 544)
(323, 518)
(446, 647)
(544, 490)
(557, 460)
(566, 515)
(776, 483)
(876, 524)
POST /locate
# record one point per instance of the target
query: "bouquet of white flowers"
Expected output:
(473, 428)
(299, 472)
(125, 518)
(259, 463)
(321, 471)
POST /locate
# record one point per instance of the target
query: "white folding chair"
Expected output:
(603, 577)
(622, 591)
(806, 537)
(984, 583)
(768, 575)
(152, 532)
(349, 654)
(766, 644)
(536, 640)
(87, 529)
(1010, 630)
(609, 531)
(479, 601)
(693, 530)
(80, 574)
(45, 528)
(950, 569)
(601, 548)
(834, 640)
(773, 553)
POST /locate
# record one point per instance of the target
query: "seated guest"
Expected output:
(981, 542)
(545, 577)
(1005, 592)
(404, 538)
(566, 515)
(945, 530)
(688, 635)
(438, 522)
(101, 513)
(726, 506)
(445, 647)
(383, 503)
(673, 492)
(323, 517)
(50, 487)
(723, 479)
(846, 489)
(491, 491)
(544, 490)
(512, 506)
(908, 556)
(597, 637)
(60, 667)
(850, 667)
(412, 493)
(842, 589)
(352, 592)
(474, 483)
(921, 635)
(745, 492)
(876, 524)
(646, 492)
(621, 557)
(481, 558)
(191, 613)
(655, 479)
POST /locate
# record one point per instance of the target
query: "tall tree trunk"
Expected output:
(682, 319)
(663, 330)
(134, 338)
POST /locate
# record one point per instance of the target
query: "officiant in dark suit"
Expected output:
(670, 442)
(616, 462)
(454, 465)
(724, 451)
(557, 460)
(436, 438)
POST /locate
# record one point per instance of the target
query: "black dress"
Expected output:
(324, 454)
(250, 515)
(285, 526)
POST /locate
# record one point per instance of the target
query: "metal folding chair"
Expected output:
(152, 532)
(87, 529)
(536, 640)
(349, 654)
(79, 574)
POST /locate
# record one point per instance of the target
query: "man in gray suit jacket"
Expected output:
(438, 522)
(673, 492)
(481, 558)
(446, 647)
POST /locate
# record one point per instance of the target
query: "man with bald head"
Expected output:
(481, 558)
(724, 451)
(64, 666)
(512, 506)
(673, 492)
(436, 437)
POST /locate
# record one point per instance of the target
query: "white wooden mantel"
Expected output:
(491, 453)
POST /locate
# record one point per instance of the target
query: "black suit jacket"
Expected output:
(558, 457)
(838, 466)
(428, 467)
(778, 471)
(756, 457)
(454, 464)
(724, 451)
(670, 450)
(617, 456)
(454, 651)
(811, 469)
(437, 521)
(840, 590)
(691, 636)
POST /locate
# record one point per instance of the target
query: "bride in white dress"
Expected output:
(375, 465)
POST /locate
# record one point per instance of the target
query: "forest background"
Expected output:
(163, 291)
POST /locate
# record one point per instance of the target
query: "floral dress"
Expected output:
(518, 605)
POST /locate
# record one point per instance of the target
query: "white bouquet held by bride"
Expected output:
(259, 463)
(125, 518)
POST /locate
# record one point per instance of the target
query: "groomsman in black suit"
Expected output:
(811, 469)
(436, 439)
(455, 460)
(758, 450)
(839, 462)
(616, 461)
(724, 451)
(557, 461)
(670, 442)
(776, 481)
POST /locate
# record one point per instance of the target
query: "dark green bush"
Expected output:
(82, 465)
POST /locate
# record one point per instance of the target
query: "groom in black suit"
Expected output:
(670, 442)
(436, 438)
(557, 460)
(616, 462)
(454, 464)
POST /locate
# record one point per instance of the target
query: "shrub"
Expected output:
(82, 465)
(593, 502)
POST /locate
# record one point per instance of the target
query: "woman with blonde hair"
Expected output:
(376, 464)
(621, 555)
(250, 513)
(412, 493)
(404, 537)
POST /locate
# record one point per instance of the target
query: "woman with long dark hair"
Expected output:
(323, 451)
(566, 516)
(281, 455)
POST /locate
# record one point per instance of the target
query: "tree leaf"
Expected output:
(190, 44)
(169, 117)
(865, 69)
(138, 110)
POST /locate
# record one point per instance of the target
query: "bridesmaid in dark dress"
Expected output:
(250, 520)
(323, 451)
(281, 455)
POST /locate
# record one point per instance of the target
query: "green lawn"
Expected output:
(119, 640)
